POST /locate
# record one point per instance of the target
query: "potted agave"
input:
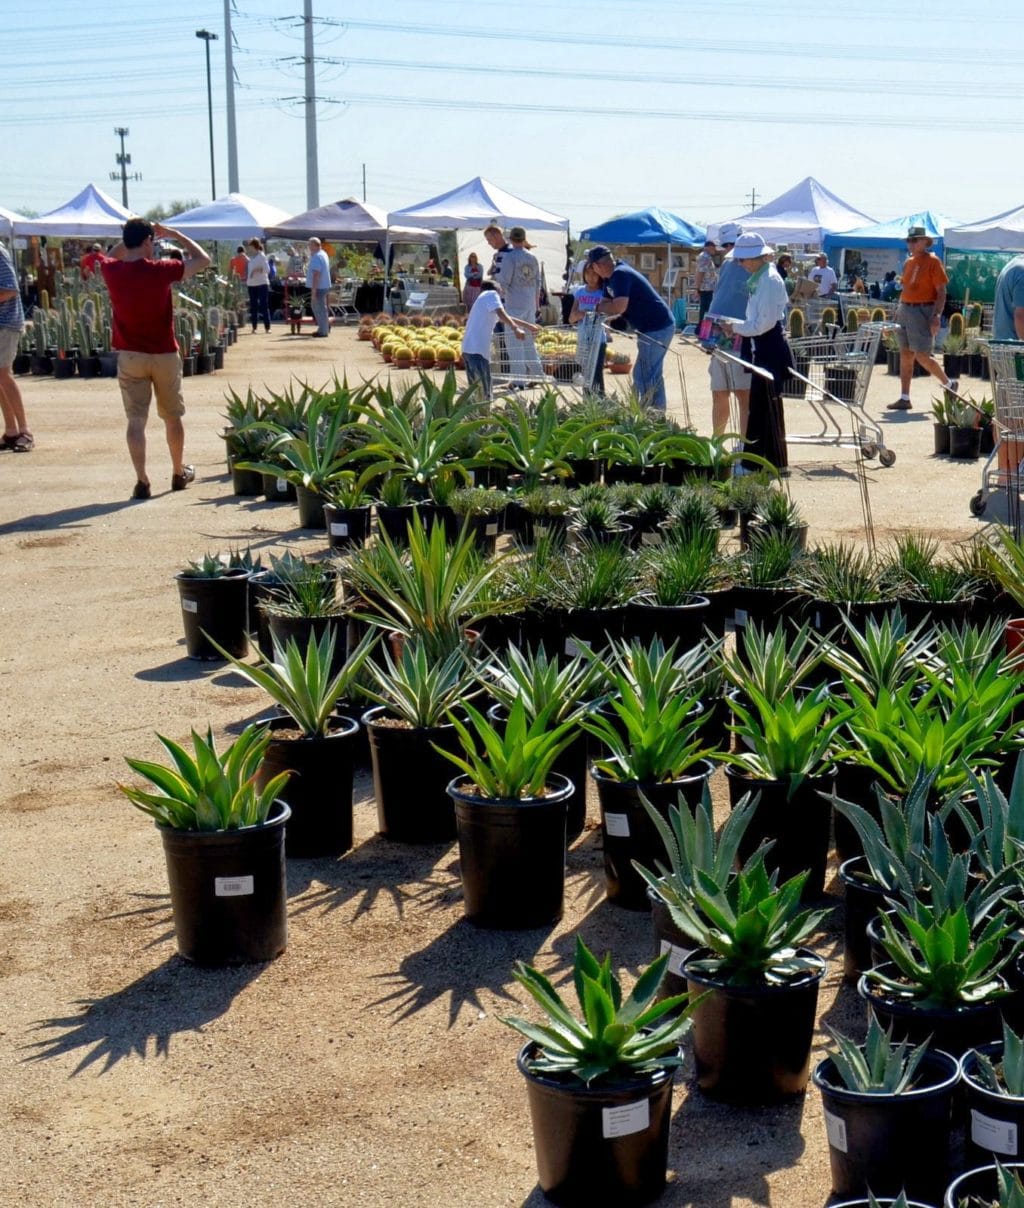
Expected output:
(348, 508)
(600, 1084)
(510, 812)
(995, 1186)
(888, 1110)
(223, 838)
(214, 606)
(992, 1077)
(669, 605)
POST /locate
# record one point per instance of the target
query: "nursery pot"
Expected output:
(752, 1043)
(994, 1122)
(277, 489)
(64, 367)
(853, 782)
(862, 900)
(410, 778)
(628, 833)
(228, 891)
(669, 938)
(940, 437)
(886, 1142)
(964, 442)
(319, 790)
(311, 508)
(512, 855)
(798, 822)
(606, 1143)
(217, 607)
(682, 623)
(347, 528)
(246, 482)
(301, 629)
(981, 1182)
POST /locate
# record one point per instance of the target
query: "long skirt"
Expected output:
(766, 429)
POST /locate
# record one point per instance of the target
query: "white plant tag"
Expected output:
(233, 887)
(741, 617)
(190, 606)
(280, 485)
(835, 1130)
(676, 956)
(1000, 1136)
(472, 477)
(338, 529)
(650, 539)
(573, 646)
(491, 530)
(617, 825)
(625, 1120)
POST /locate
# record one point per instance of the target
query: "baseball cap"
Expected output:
(599, 252)
(729, 232)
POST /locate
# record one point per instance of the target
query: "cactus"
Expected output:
(44, 300)
(972, 317)
(956, 325)
(878, 315)
(796, 322)
(85, 336)
(185, 332)
(828, 316)
(852, 319)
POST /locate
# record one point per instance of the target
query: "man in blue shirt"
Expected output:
(17, 436)
(1008, 316)
(632, 296)
(730, 299)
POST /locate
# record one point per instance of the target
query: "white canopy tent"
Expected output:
(474, 205)
(90, 213)
(348, 221)
(1000, 233)
(232, 217)
(803, 215)
(7, 220)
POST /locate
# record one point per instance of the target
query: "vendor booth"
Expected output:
(234, 217)
(976, 252)
(801, 217)
(659, 244)
(882, 247)
(90, 213)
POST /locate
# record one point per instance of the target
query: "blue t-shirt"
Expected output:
(730, 297)
(646, 310)
(11, 313)
(1009, 296)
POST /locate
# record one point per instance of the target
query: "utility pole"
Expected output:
(753, 199)
(124, 160)
(364, 182)
(229, 94)
(207, 37)
(312, 173)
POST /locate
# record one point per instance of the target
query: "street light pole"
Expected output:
(208, 37)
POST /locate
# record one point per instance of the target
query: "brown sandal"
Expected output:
(21, 443)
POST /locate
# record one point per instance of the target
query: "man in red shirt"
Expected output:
(148, 357)
(89, 261)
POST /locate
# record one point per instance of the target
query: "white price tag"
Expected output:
(651, 539)
(625, 1120)
(617, 825)
(280, 485)
(741, 617)
(339, 530)
(573, 646)
(999, 1136)
(190, 605)
(491, 530)
(676, 957)
(835, 1130)
(233, 887)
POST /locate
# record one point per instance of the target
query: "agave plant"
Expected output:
(882, 655)
(878, 1066)
(595, 575)
(420, 687)
(534, 443)
(562, 688)
(775, 661)
(671, 573)
(1005, 1075)
(615, 1037)
(839, 574)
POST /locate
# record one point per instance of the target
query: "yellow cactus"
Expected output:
(956, 325)
(797, 323)
(828, 316)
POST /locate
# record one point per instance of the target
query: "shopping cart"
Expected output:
(831, 375)
(557, 355)
(1006, 362)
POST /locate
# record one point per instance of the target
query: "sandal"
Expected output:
(180, 481)
(22, 442)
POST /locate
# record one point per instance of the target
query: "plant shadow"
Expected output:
(142, 1018)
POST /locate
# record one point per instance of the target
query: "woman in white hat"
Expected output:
(766, 308)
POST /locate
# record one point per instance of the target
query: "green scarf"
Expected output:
(755, 278)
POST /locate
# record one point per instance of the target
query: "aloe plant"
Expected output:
(1004, 1075)
(878, 1066)
(210, 790)
(614, 1037)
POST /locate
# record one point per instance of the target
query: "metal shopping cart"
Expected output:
(831, 375)
(557, 355)
(1006, 362)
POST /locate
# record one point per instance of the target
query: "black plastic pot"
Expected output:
(395, 521)
(952, 1029)
(862, 900)
(964, 442)
(668, 938)
(204, 362)
(752, 1044)
(606, 1143)
(246, 482)
(940, 439)
(277, 489)
(22, 363)
(229, 891)
(765, 607)
(799, 822)
(300, 629)
(347, 528)
(889, 1143)
(994, 1122)
(512, 855)
(853, 782)
(981, 1182)
(88, 366)
(218, 607)
(628, 833)
(546, 528)
(311, 508)
(319, 791)
(682, 623)
(41, 364)
(483, 529)
(410, 779)
(64, 366)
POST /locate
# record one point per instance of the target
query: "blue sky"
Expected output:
(585, 107)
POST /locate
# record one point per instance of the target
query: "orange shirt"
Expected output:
(922, 276)
(239, 265)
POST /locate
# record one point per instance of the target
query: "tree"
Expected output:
(161, 212)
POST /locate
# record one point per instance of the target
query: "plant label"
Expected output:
(740, 617)
(281, 486)
(835, 1130)
(574, 646)
(233, 887)
(491, 530)
(676, 956)
(339, 530)
(999, 1136)
(650, 539)
(190, 606)
(626, 1119)
(617, 825)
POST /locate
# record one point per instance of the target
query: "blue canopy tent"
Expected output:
(889, 235)
(644, 228)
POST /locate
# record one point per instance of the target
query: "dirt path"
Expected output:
(366, 1066)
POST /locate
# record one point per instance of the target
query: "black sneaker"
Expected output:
(180, 481)
(142, 491)
(901, 404)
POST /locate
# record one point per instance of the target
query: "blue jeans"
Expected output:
(318, 304)
(478, 370)
(259, 305)
(651, 347)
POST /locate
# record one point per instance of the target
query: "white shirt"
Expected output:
(258, 271)
(483, 318)
(766, 306)
(825, 277)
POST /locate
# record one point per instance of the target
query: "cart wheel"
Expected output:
(887, 458)
(978, 504)
(869, 450)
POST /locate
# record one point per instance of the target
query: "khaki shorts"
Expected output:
(141, 373)
(915, 326)
(9, 337)
(727, 375)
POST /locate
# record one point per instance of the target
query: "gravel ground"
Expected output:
(366, 1066)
